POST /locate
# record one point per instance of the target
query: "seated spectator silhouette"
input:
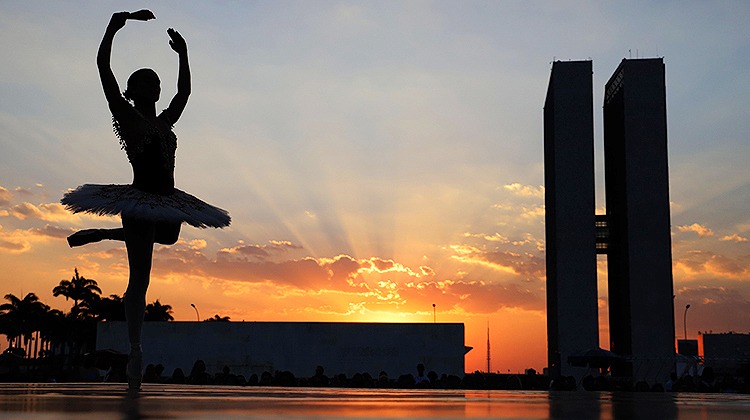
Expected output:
(421, 379)
(178, 377)
(339, 380)
(707, 380)
(225, 377)
(198, 375)
(670, 385)
(284, 378)
(406, 381)
(432, 376)
(253, 381)
(383, 381)
(358, 381)
(149, 375)
(266, 379)
(319, 379)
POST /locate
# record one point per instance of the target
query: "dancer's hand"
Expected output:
(143, 14)
(118, 19)
(177, 42)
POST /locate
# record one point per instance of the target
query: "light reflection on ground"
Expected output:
(111, 401)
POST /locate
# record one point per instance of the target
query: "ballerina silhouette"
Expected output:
(151, 208)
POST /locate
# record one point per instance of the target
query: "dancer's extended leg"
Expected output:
(166, 233)
(139, 240)
(87, 236)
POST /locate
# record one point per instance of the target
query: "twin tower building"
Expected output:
(634, 234)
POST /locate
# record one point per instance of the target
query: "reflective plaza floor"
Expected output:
(111, 401)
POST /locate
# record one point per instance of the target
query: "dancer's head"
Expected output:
(143, 85)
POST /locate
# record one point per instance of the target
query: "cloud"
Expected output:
(323, 285)
(533, 214)
(481, 297)
(711, 295)
(525, 190)
(696, 263)
(265, 251)
(24, 191)
(525, 264)
(50, 212)
(21, 240)
(496, 237)
(25, 210)
(13, 242)
(5, 196)
(52, 231)
(734, 238)
(521, 214)
(197, 244)
(528, 238)
(701, 230)
(13, 247)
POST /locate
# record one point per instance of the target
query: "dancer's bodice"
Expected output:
(150, 145)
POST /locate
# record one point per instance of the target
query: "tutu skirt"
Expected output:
(129, 201)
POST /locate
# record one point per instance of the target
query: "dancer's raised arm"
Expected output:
(179, 101)
(109, 83)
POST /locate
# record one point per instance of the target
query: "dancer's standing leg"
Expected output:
(139, 241)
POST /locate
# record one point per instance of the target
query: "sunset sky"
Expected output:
(376, 157)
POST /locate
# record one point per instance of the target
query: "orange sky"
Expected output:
(483, 278)
(280, 281)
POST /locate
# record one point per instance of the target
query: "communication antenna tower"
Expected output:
(488, 347)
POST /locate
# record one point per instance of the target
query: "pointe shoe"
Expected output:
(86, 236)
(134, 370)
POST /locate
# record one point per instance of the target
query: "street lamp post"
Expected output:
(684, 320)
(196, 312)
(434, 314)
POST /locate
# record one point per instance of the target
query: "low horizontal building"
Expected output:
(254, 347)
(726, 353)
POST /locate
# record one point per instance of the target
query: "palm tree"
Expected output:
(21, 318)
(217, 318)
(109, 308)
(53, 331)
(80, 289)
(157, 312)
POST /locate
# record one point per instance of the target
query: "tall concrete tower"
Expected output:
(639, 255)
(572, 310)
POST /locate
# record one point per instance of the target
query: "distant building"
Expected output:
(687, 347)
(572, 310)
(639, 247)
(727, 354)
(634, 233)
(297, 347)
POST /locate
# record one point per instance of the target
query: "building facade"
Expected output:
(255, 347)
(639, 248)
(635, 232)
(572, 311)
(727, 354)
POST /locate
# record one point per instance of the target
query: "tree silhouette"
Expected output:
(217, 318)
(21, 317)
(40, 331)
(79, 289)
(109, 308)
(53, 331)
(157, 312)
